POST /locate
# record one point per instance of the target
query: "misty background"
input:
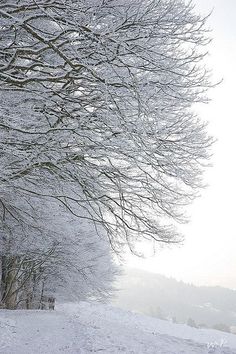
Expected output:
(168, 299)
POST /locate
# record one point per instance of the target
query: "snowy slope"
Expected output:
(86, 328)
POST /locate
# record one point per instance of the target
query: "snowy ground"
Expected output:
(91, 328)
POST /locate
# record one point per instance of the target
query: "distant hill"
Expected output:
(158, 296)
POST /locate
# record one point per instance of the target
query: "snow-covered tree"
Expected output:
(96, 115)
(55, 254)
(98, 93)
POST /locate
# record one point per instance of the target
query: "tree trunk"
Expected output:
(9, 281)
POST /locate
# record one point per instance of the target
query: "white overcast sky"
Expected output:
(208, 256)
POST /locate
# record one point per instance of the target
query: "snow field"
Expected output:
(89, 328)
